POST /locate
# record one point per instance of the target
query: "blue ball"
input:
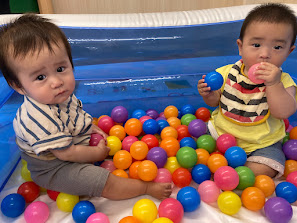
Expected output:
(214, 80)
(200, 173)
(188, 141)
(138, 113)
(189, 198)
(162, 124)
(82, 210)
(13, 205)
(150, 126)
(287, 191)
(187, 109)
(235, 156)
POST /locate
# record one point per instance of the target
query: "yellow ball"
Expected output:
(66, 202)
(172, 164)
(114, 143)
(145, 210)
(162, 220)
(229, 203)
(25, 173)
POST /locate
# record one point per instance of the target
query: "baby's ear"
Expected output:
(17, 89)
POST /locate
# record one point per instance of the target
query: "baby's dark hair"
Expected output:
(271, 13)
(28, 34)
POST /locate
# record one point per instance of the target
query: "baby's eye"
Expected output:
(60, 69)
(256, 45)
(278, 47)
(41, 77)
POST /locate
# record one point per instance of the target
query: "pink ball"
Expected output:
(226, 178)
(292, 178)
(144, 118)
(252, 76)
(98, 218)
(37, 211)
(95, 139)
(163, 176)
(128, 141)
(209, 191)
(172, 209)
(225, 141)
(105, 123)
(109, 165)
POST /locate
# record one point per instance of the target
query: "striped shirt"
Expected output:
(40, 128)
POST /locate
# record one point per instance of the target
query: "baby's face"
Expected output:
(266, 42)
(45, 76)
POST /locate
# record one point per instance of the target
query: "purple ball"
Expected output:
(277, 209)
(152, 113)
(290, 149)
(197, 128)
(119, 114)
(158, 155)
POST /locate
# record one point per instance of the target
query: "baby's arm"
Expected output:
(211, 98)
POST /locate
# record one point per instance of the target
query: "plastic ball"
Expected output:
(202, 155)
(290, 166)
(235, 156)
(169, 132)
(189, 198)
(286, 138)
(122, 159)
(226, 178)
(216, 161)
(13, 205)
(128, 141)
(82, 210)
(203, 114)
(158, 155)
(52, 194)
(187, 109)
(138, 113)
(118, 131)
(214, 80)
(109, 165)
(152, 113)
(265, 184)
(95, 139)
(37, 211)
(253, 198)
(25, 173)
(145, 210)
(139, 150)
(252, 76)
(200, 173)
(293, 133)
(133, 170)
(189, 142)
(66, 202)
(133, 127)
(174, 122)
(292, 178)
(209, 191)
(162, 220)
(162, 124)
(172, 209)
(150, 126)
(287, 191)
(119, 114)
(163, 176)
(114, 143)
(225, 141)
(144, 118)
(147, 170)
(277, 209)
(197, 128)
(170, 145)
(229, 203)
(105, 123)
(172, 164)
(170, 111)
(187, 118)
(29, 190)
(181, 177)
(150, 140)
(98, 217)
(206, 142)
(246, 177)
(129, 219)
(186, 157)
(290, 149)
(182, 132)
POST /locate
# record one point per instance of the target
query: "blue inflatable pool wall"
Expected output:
(139, 68)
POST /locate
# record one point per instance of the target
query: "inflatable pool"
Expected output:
(139, 61)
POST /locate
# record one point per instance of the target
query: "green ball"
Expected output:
(186, 157)
(286, 138)
(187, 118)
(246, 177)
(206, 142)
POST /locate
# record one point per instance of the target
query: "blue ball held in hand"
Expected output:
(214, 80)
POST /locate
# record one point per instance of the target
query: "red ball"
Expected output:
(225, 141)
(150, 140)
(105, 123)
(182, 132)
(287, 123)
(181, 177)
(29, 190)
(203, 114)
(52, 194)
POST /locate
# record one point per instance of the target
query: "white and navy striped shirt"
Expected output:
(40, 128)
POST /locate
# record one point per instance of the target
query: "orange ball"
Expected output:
(118, 131)
(169, 132)
(216, 161)
(253, 198)
(120, 173)
(170, 111)
(133, 127)
(170, 145)
(139, 150)
(182, 132)
(133, 170)
(147, 170)
(129, 219)
(293, 133)
(265, 184)
(290, 166)
(95, 121)
(202, 155)
(122, 159)
(174, 122)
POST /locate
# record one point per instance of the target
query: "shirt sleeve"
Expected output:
(287, 81)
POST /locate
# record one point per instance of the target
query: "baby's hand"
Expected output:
(104, 150)
(96, 129)
(268, 72)
(203, 89)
